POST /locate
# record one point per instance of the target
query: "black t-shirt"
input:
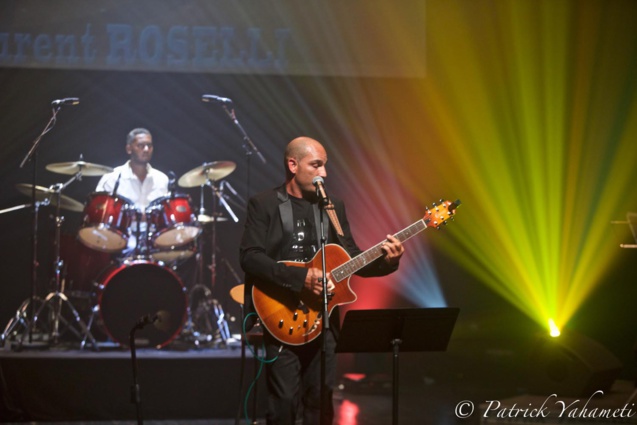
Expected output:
(304, 241)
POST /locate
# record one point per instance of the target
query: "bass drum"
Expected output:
(130, 291)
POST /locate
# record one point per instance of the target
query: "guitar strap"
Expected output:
(331, 213)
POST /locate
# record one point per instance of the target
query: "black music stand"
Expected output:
(409, 329)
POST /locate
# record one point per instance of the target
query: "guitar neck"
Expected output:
(350, 267)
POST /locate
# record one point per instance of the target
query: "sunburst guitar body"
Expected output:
(296, 319)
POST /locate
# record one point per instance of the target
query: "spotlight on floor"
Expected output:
(571, 365)
(554, 331)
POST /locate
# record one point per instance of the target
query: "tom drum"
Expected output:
(106, 222)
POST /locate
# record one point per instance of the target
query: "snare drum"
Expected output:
(171, 222)
(175, 255)
(130, 291)
(106, 222)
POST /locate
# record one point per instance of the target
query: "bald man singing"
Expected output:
(283, 224)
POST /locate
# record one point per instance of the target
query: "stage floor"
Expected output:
(202, 386)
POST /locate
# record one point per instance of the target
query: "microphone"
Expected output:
(67, 101)
(318, 182)
(215, 98)
(116, 184)
(160, 320)
(146, 320)
(172, 178)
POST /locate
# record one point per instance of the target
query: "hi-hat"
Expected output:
(44, 193)
(211, 171)
(88, 169)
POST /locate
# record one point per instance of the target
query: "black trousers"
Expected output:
(294, 380)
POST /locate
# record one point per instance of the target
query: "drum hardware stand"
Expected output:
(205, 308)
(57, 298)
(32, 156)
(21, 316)
(217, 192)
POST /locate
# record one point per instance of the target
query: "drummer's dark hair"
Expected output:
(134, 132)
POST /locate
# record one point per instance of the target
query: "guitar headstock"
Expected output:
(440, 213)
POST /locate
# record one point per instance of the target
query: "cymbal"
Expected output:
(44, 193)
(236, 293)
(88, 169)
(209, 171)
(203, 218)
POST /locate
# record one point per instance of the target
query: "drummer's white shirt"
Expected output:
(154, 186)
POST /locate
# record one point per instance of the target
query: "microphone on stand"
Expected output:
(116, 184)
(215, 98)
(146, 320)
(318, 182)
(159, 320)
(172, 179)
(67, 101)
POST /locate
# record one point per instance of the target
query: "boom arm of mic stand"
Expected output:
(248, 145)
(36, 142)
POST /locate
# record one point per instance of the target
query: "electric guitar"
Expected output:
(296, 319)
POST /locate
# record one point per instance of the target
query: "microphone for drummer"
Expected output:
(215, 98)
(172, 179)
(67, 101)
(116, 184)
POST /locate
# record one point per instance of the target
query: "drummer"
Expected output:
(136, 180)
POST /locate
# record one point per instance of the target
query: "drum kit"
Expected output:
(125, 262)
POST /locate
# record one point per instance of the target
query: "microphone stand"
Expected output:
(135, 389)
(326, 320)
(33, 156)
(248, 146)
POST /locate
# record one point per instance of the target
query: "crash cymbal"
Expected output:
(44, 193)
(203, 218)
(209, 171)
(236, 293)
(88, 169)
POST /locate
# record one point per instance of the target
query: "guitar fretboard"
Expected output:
(350, 267)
